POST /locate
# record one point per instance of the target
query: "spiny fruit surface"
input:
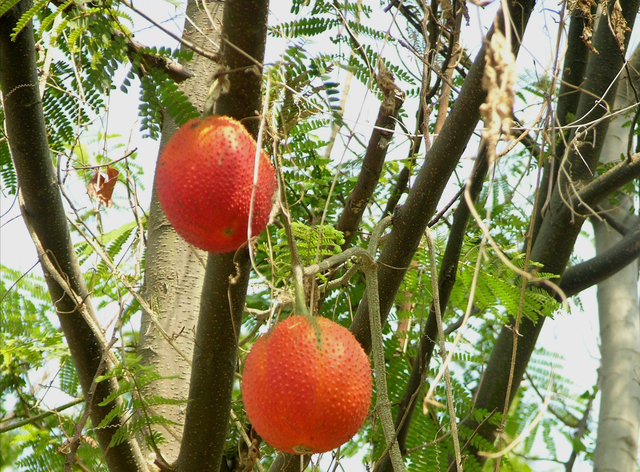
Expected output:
(306, 385)
(204, 182)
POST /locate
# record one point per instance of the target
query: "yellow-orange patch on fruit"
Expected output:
(204, 181)
(306, 385)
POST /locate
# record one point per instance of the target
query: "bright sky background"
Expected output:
(574, 337)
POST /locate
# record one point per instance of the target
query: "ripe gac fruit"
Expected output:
(204, 182)
(306, 385)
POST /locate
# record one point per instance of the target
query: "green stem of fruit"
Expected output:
(298, 285)
(296, 264)
(383, 405)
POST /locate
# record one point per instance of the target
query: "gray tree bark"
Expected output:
(175, 269)
(619, 314)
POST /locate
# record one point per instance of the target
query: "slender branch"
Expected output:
(569, 423)
(403, 176)
(408, 14)
(383, 405)
(74, 443)
(443, 351)
(290, 462)
(613, 222)
(373, 161)
(214, 56)
(153, 316)
(38, 417)
(296, 263)
(173, 69)
(580, 430)
(605, 184)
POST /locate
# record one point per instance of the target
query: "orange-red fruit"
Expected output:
(306, 385)
(204, 182)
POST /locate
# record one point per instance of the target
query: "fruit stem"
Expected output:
(297, 268)
(298, 285)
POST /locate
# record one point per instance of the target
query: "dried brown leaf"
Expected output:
(101, 186)
(585, 7)
(618, 25)
(499, 77)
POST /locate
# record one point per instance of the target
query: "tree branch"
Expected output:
(613, 222)
(372, 163)
(403, 176)
(176, 71)
(446, 281)
(588, 273)
(33, 419)
(607, 183)
(412, 219)
(555, 239)
(44, 212)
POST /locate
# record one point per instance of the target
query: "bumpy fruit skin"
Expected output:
(306, 385)
(204, 181)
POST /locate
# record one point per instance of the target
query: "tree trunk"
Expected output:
(175, 269)
(44, 215)
(619, 313)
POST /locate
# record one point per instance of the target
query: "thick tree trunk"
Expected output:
(619, 418)
(175, 269)
(619, 313)
(44, 215)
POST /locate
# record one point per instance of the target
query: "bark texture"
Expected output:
(619, 315)
(175, 269)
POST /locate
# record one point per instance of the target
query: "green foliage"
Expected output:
(136, 407)
(28, 339)
(7, 5)
(31, 343)
(27, 16)
(160, 95)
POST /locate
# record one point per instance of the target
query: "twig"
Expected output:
(64, 284)
(525, 432)
(245, 436)
(441, 213)
(570, 424)
(214, 56)
(296, 264)
(611, 221)
(443, 349)
(430, 443)
(121, 277)
(108, 164)
(40, 416)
